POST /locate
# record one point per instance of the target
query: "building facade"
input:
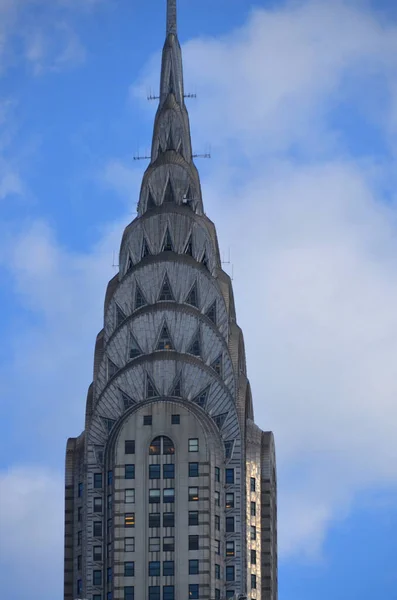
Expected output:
(171, 487)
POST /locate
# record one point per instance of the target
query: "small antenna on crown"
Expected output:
(171, 17)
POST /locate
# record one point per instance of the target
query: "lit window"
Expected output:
(169, 471)
(169, 495)
(252, 484)
(217, 571)
(229, 524)
(193, 567)
(175, 419)
(79, 513)
(97, 480)
(168, 446)
(229, 548)
(253, 557)
(154, 472)
(253, 581)
(97, 528)
(97, 553)
(253, 509)
(217, 499)
(154, 496)
(194, 591)
(155, 446)
(110, 477)
(217, 474)
(109, 575)
(168, 519)
(229, 500)
(218, 546)
(217, 522)
(229, 476)
(154, 568)
(97, 505)
(193, 494)
(168, 568)
(80, 490)
(129, 471)
(193, 469)
(147, 420)
(164, 342)
(129, 496)
(253, 532)
(129, 544)
(193, 542)
(168, 544)
(168, 592)
(154, 592)
(97, 577)
(129, 520)
(129, 447)
(193, 445)
(230, 573)
(128, 592)
(154, 544)
(193, 517)
(154, 520)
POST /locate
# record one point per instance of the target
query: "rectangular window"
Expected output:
(128, 592)
(169, 471)
(252, 484)
(253, 581)
(129, 520)
(154, 520)
(253, 509)
(218, 546)
(253, 532)
(229, 548)
(169, 495)
(193, 517)
(168, 592)
(110, 477)
(79, 586)
(129, 544)
(175, 419)
(110, 502)
(97, 553)
(193, 542)
(98, 505)
(154, 544)
(229, 476)
(97, 528)
(147, 420)
(217, 474)
(217, 522)
(79, 562)
(80, 513)
(194, 591)
(109, 575)
(193, 494)
(253, 557)
(129, 447)
(154, 496)
(217, 571)
(154, 568)
(217, 499)
(97, 597)
(229, 524)
(168, 519)
(97, 480)
(129, 471)
(168, 544)
(229, 500)
(193, 445)
(217, 594)
(110, 526)
(194, 567)
(154, 471)
(97, 577)
(80, 490)
(154, 592)
(129, 496)
(79, 537)
(230, 594)
(230, 573)
(193, 469)
(109, 550)
(168, 568)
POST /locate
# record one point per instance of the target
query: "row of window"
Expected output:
(154, 521)
(154, 592)
(167, 570)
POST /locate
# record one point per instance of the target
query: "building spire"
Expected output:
(171, 17)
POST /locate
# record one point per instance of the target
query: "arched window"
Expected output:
(162, 445)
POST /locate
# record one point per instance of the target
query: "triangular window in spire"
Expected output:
(195, 345)
(229, 444)
(168, 246)
(192, 297)
(120, 316)
(211, 312)
(145, 248)
(220, 420)
(176, 389)
(98, 451)
(204, 260)
(169, 195)
(150, 201)
(112, 369)
(170, 141)
(126, 400)
(164, 342)
(134, 350)
(217, 365)
(202, 397)
(189, 247)
(166, 291)
(170, 83)
(159, 149)
(189, 193)
(129, 264)
(108, 423)
(151, 391)
(139, 298)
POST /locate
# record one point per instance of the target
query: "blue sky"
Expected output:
(297, 101)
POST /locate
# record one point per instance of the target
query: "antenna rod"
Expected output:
(171, 17)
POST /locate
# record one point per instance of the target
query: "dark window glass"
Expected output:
(169, 495)
(128, 592)
(253, 581)
(97, 597)
(193, 517)
(129, 520)
(79, 537)
(154, 471)
(229, 594)
(168, 592)
(98, 505)
(229, 524)
(109, 575)
(253, 509)
(194, 591)
(229, 548)
(229, 475)
(80, 512)
(109, 550)
(154, 496)
(98, 528)
(253, 532)
(110, 477)
(168, 544)
(217, 571)
(193, 469)
(129, 472)
(193, 494)
(97, 553)
(129, 446)
(147, 420)
(230, 573)
(217, 474)
(79, 586)
(217, 594)
(168, 568)
(168, 519)
(252, 484)
(217, 522)
(218, 546)
(169, 471)
(79, 562)
(110, 525)
(80, 491)
(154, 592)
(253, 557)
(97, 480)
(97, 577)
(175, 419)
(194, 567)
(229, 500)
(154, 520)
(193, 542)
(168, 446)
(154, 568)
(155, 446)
